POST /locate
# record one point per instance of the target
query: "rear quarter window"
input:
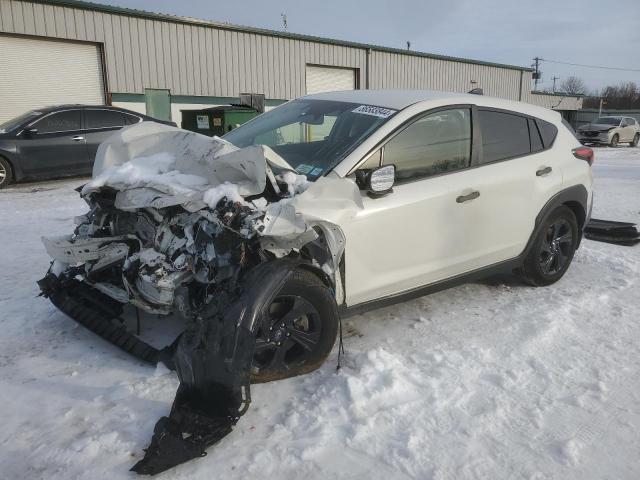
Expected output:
(504, 135)
(548, 132)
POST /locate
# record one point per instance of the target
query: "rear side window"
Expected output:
(534, 137)
(503, 135)
(436, 143)
(103, 119)
(130, 119)
(66, 121)
(548, 131)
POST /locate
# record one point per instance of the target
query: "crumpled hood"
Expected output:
(597, 127)
(155, 165)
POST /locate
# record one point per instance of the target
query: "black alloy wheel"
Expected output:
(297, 332)
(552, 248)
(557, 247)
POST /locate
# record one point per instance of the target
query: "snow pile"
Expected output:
(490, 380)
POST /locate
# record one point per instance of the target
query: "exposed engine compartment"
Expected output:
(184, 224)
(161, 261)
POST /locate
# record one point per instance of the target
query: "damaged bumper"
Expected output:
(188, 225)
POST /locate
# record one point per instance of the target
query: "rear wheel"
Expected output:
(635, 141)
(614, 141)
(298, 332)
(552, 249)
(6, 175)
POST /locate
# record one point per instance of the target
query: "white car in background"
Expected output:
(610, 131)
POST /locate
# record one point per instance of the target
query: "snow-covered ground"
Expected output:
(491, 380)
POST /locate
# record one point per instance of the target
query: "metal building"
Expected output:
(70, 51)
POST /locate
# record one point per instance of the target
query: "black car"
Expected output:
(58, 141)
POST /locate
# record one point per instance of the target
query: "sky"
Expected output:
(592, 32)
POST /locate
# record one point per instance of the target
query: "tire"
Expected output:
(614, 140)
(6, 173)
(305, 341)
(552, 250)
(635, 141)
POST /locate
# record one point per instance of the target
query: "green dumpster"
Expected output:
(216, 120)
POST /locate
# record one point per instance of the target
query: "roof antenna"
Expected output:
(284, 21)
(476, 91)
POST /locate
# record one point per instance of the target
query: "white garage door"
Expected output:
(36, 73)
(329, 79)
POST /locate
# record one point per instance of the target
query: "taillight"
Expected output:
(584, 153)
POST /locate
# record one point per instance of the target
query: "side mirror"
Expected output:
(380, 180)
(31, 132)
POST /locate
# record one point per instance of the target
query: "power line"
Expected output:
(592, 66)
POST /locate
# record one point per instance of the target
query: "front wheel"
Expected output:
(5, 173)
(298, 332)
(614, 141)
(553, 249)
(635, 141)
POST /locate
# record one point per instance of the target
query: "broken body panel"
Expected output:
(183, 223)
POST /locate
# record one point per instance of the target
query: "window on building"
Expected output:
(103, 119)
(504, 135)
(437, 143)
(548, 131)
(65, 121)
(534, 137)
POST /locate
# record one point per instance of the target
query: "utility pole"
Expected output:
(602, 102)
(554, 83)
(537, 75)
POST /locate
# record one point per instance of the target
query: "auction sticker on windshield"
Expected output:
(375, 111)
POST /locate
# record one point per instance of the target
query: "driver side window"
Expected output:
(436, 143)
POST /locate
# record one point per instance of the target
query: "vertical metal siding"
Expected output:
(392, 70)
(199, 60)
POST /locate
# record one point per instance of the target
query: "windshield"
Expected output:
(608, 121)
(313, 136)
(14, 123)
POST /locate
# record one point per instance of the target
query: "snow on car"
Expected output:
(331, 204)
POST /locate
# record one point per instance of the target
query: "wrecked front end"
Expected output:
(184, 224)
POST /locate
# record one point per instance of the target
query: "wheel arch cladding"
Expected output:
(579, 211)
(575, 198)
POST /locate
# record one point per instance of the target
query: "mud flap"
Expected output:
(213, 362)
(619, 233)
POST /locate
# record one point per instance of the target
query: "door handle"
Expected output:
(77, 138)
(543, 171)
(468, 198)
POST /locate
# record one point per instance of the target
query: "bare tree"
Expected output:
(573, 85)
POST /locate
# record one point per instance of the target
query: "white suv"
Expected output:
(411, 191)
(610, 131)
(328, 205)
